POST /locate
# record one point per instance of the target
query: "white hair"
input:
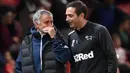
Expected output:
(37, 15)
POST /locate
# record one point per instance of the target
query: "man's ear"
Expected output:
(36, 24)
(81, 15)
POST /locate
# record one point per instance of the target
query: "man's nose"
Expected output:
(67, 19)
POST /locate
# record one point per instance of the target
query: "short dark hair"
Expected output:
(80, 7)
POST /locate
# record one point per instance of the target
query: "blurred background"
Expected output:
(16, 21)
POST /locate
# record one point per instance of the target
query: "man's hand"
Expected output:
(50, 30)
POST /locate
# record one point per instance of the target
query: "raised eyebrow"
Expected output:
(70, 15)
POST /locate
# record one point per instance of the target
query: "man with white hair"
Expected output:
(44, 50)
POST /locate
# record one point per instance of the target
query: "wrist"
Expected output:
(53, 36)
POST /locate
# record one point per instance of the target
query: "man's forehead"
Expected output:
(71, 9)
(46, 17)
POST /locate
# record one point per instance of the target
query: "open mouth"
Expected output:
(70, 24)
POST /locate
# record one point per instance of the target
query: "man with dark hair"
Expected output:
(44, 50)
(79, 8)
(91, 44)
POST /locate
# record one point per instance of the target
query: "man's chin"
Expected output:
(72, 27)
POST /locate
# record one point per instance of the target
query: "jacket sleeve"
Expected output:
(61, 49)
(106, 44)
(18, 63)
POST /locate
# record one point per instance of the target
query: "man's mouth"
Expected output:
(70, 23)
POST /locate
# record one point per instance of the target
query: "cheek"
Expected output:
(42, 25)
(75, 20)
(39, 26)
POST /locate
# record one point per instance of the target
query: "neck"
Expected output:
(82, 24)
(42, 34)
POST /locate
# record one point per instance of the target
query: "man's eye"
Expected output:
(45, 22)
(71, 15)
(48, 22)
